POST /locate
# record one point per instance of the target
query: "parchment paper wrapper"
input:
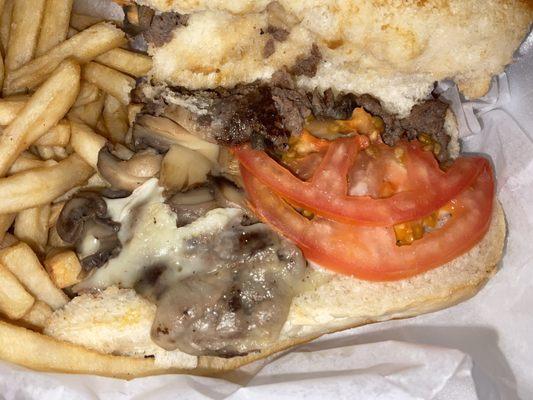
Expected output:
(482, 348)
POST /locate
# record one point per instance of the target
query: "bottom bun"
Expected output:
(331, 303)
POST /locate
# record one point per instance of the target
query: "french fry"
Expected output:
(8, 240)
(2, 4)
(1, 70)
(64, 268)
(42, 185)
(25, 24)
(90, 112)
(56, 153)
(6, 220)
(5, 24)
(93, 182)
(71, 32)
(82, 21)
(28, 161)
(130, 63)
(44, 109)
(82, 47)
(100, 127)
(55, 25)
(38, 315)
(60, 152)
(88, 94)
(45, 152)
(86, 143)
(9, 108)
(55, 241)
(15, 301)
(31, 226)
(55, 210)
(133, 110)
(24, 264)
(40, 352)
(110, 81)
(58, 135)
(115, 119)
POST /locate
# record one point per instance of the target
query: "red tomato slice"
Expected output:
(426, 188)
(371, 252)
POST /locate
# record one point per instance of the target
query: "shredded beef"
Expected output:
(267, 114)
(140, 22)
(162, 27)
(279, 34)
(428, 117)
(269, 48)
(307, 65)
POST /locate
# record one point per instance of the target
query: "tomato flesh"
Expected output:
(326, 193)
(370, 252)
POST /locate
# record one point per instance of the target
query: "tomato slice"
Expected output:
(371, 253)
(426, 188)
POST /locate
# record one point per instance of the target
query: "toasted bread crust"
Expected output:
(441, 288)
(394, 50)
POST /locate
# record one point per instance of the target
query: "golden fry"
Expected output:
(42, 185)
(6, 220)
(28, 161)
(38, 315)
(45, 108)
(90, 112)
(5, 24)
(31, 226)
(24, 264)
(21, 346)
(1, 70)
(88, 94)
(9, 108)
(82, 47)
(25, 24)
(130, 63)
(15, 301)
(86, 143)
(58, 135)
(115, 119)
(8, 240)
(55, 241)
(55, 210)
(55, 25)
(64, 268)
(110, 81)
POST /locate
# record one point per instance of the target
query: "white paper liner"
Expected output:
(427, 357)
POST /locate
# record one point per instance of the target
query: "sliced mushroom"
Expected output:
(161, 133)
(187, 120)
(183, 168)
(76, 212)
(111, 193)
(228, 167)
(229, 195)
(85, 216)
(127, 174)
(191, 205)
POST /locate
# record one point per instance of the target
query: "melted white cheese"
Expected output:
(149, 237)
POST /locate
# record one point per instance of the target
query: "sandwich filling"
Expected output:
(220, 196)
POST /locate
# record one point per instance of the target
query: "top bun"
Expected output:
(394, 50)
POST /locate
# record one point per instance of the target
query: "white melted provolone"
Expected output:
(149, 236)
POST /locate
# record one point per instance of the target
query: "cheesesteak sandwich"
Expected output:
(289, 171)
